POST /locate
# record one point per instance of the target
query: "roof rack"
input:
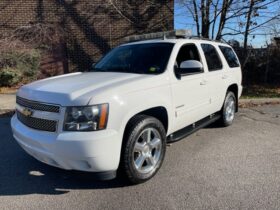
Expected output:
(182, 33)
(175, 34)
(206, 39)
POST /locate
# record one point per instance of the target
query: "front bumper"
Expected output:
(97, 151)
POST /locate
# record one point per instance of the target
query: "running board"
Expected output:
(186, 131)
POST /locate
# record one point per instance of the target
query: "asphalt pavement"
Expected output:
(216, 168)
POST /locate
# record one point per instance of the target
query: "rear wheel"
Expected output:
(143, 148)
(229, 109)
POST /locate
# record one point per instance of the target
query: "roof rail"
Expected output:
(207, 39)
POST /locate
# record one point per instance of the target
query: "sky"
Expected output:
(184, 20)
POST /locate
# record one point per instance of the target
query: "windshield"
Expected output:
(148, 58)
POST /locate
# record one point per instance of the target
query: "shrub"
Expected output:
(21, 50)
(15, 64)
(29, 63)
(9, 76)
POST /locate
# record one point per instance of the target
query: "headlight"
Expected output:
(86, 118)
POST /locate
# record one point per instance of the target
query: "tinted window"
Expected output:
(187, 52)
(212, 58)
(136, 58)
(229, 56)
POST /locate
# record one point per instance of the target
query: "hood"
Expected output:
(73, 89)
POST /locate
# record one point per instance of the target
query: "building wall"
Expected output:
(93, 27)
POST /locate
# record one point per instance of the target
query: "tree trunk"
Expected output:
(267, 64)
(207, 16)
(205, 13)
(248, 23)
(215, 19)
(225, 8)
(196, 17)
(203, 32)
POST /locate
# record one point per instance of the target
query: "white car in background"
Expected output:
(139, 97)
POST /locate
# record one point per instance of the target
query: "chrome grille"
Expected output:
(37, 105)
(36, 123)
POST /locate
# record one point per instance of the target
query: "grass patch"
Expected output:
(257, 91)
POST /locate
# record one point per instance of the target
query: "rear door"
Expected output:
(233, 66)
(217, 76)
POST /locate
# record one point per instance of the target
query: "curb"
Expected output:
(244, 103)
(6, 113)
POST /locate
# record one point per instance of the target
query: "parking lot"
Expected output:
(216, 168)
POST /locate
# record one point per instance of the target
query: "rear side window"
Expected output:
(229, 56)
(212, 57)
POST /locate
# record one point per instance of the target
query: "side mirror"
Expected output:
(190, 67)
(92, 67)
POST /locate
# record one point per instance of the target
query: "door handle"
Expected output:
(224, 76)
(203, 82)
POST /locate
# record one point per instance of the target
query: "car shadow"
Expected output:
(20, 174)
(215, 124)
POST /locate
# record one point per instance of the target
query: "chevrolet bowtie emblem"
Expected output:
(27, 112)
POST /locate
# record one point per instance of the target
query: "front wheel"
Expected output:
(143, 148)
(229, 109)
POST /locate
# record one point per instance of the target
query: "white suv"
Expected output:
(135, 100)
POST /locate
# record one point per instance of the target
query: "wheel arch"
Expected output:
(234, 88)
(159, 112)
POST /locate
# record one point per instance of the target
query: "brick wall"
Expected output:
(93, 27)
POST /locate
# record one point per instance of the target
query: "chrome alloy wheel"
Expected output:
(230, 109)
(147, 150)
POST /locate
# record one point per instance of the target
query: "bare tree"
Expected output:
(212, 12)
(139, 16)
(229, 17)
(223, 17)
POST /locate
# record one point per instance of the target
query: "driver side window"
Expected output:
(186, 53)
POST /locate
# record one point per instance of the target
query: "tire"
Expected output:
(141, 156)
(228, 110)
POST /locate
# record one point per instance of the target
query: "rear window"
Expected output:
(212, 57)
(230, 56)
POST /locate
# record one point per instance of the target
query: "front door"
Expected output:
(190, 91)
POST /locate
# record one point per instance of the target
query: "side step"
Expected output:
(186, 131)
